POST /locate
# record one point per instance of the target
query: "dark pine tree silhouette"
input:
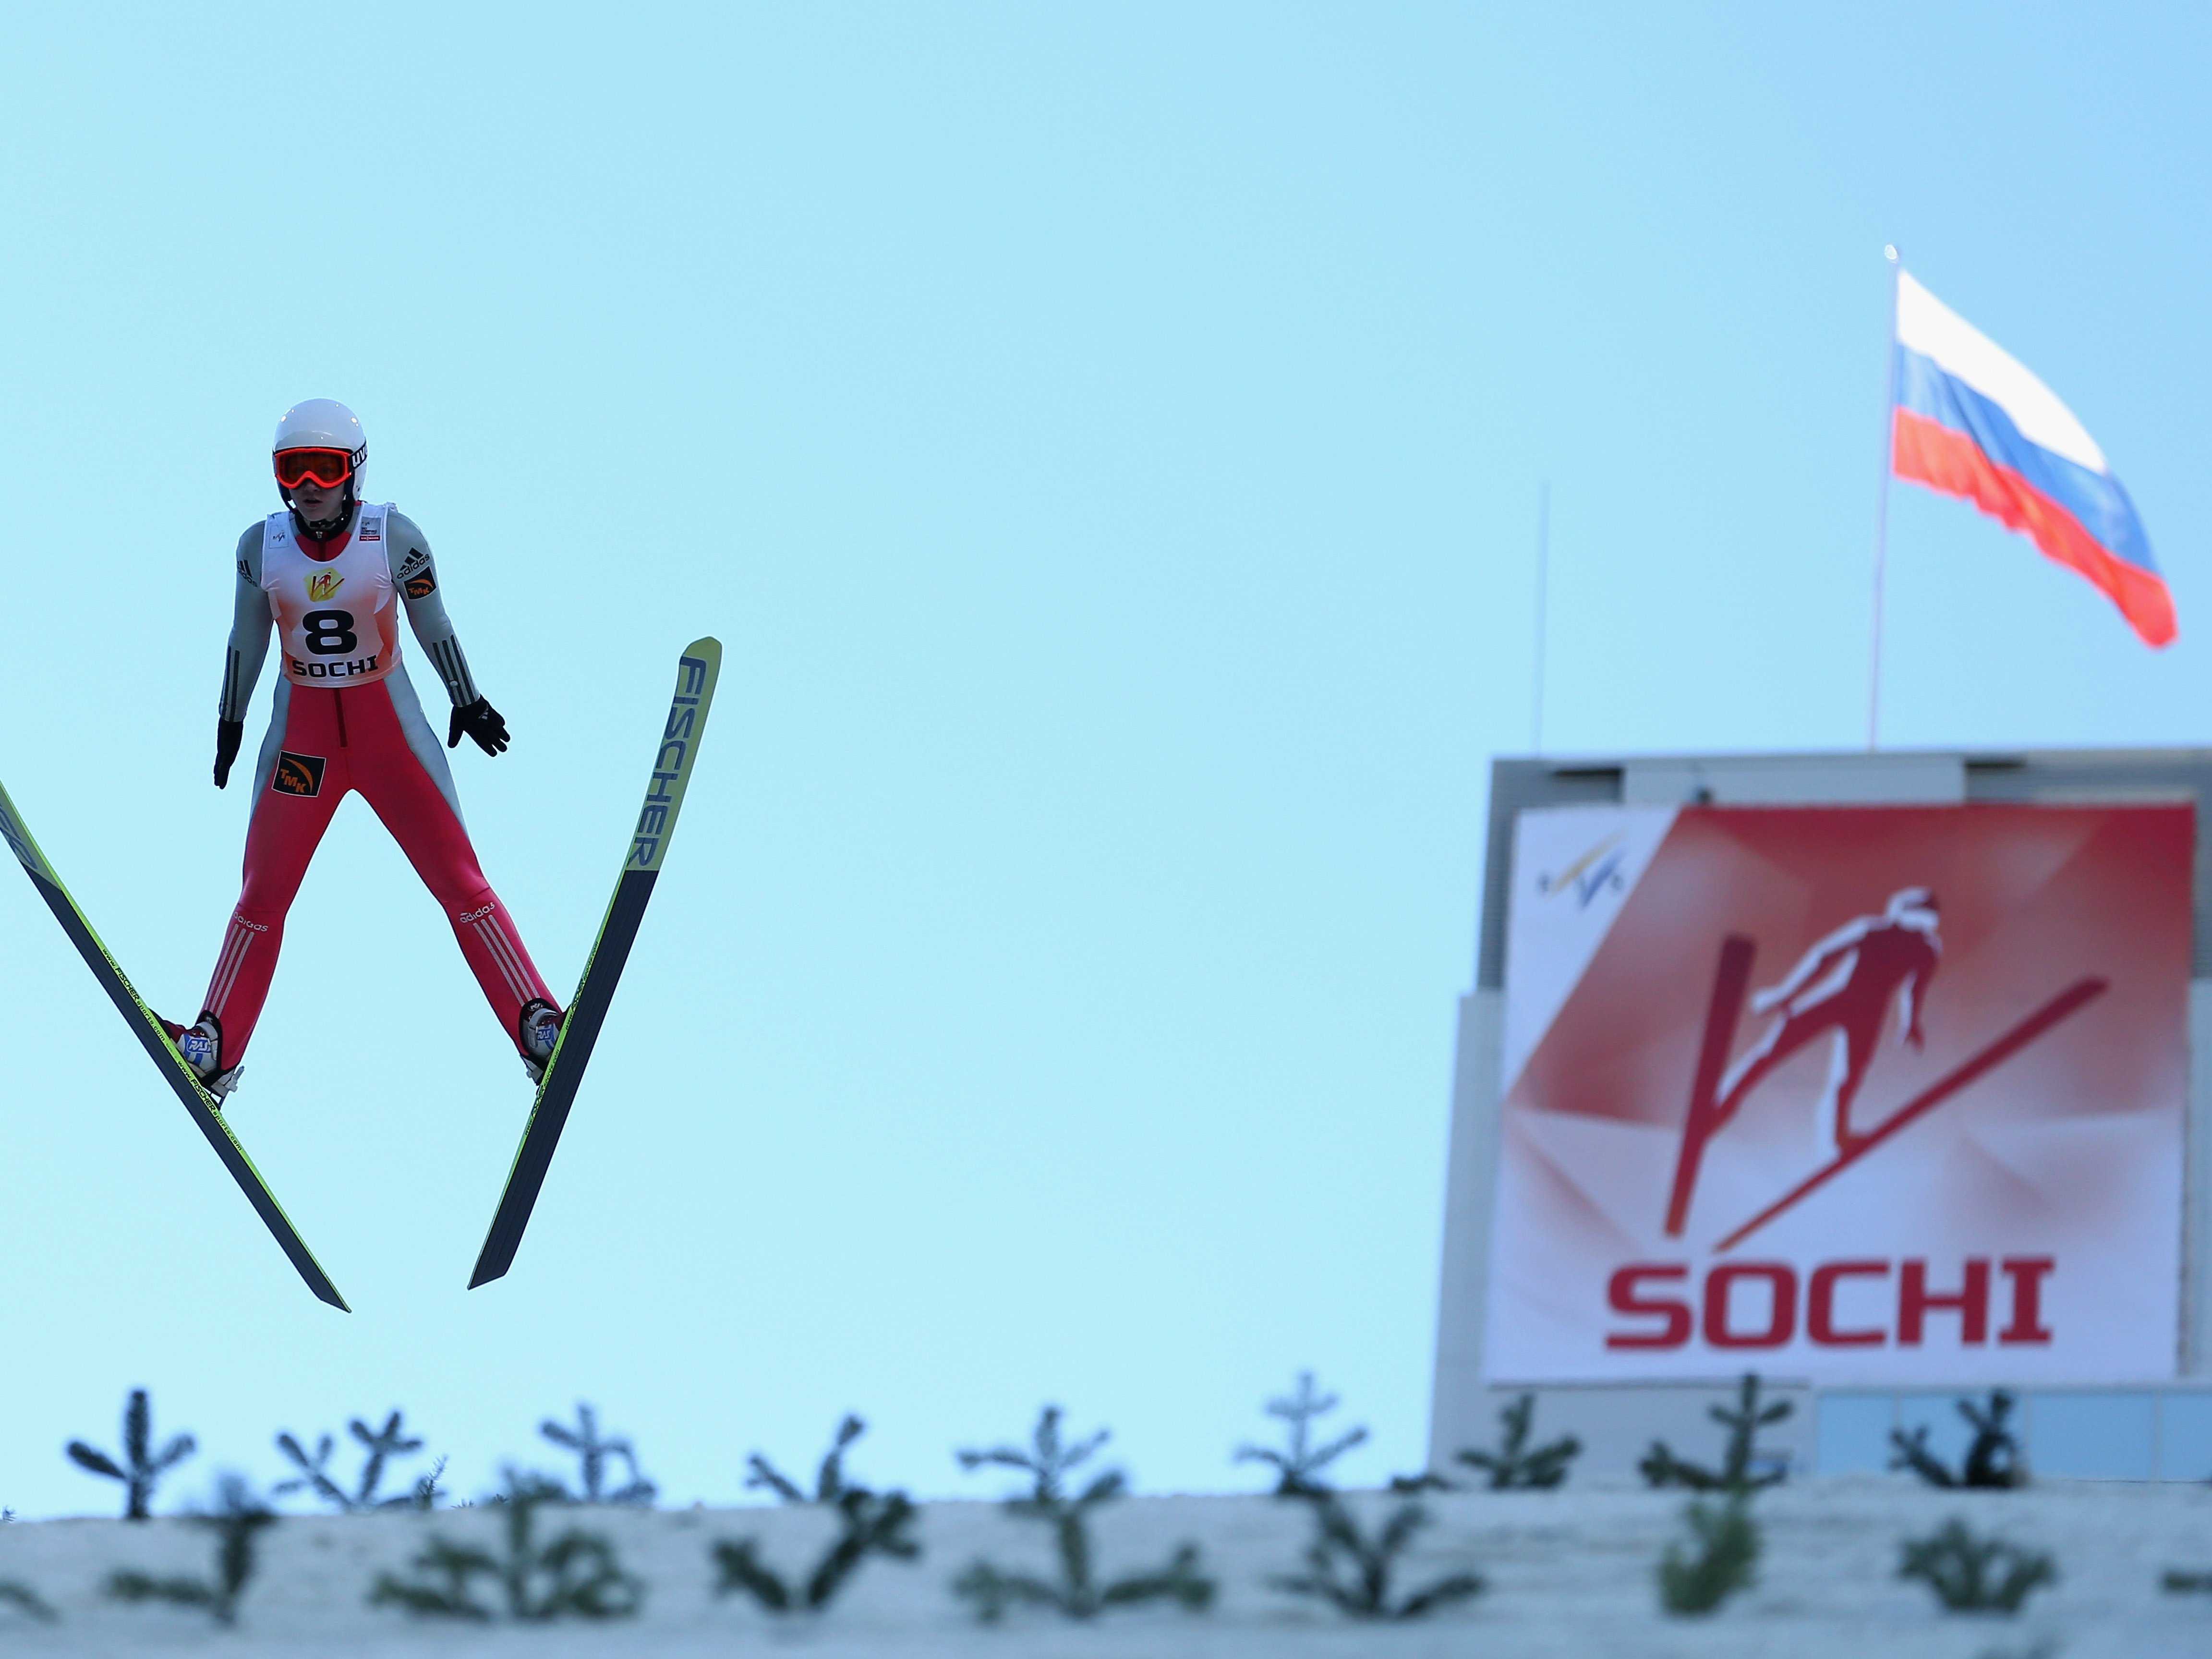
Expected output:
(379, 1447)
(1353, 1572)
(829, 1479)
(1078, 1592)
(1739, 1472)
(1975, 1575)
(140, 1467)
(236, 1520)
(1726, 1543)
(869, 1523)
(1993, 1458)
(1517, 1466)
(593, 1452)
(574, 1575)
(1298, 1465)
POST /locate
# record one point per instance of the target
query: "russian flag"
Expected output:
(1971, 421)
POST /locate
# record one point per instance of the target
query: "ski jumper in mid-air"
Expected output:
(1844, 986)
(330, 573)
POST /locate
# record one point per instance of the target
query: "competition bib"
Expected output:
(337, 619)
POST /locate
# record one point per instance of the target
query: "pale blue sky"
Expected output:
(1106, 440)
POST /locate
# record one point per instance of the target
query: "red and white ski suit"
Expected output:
(346, 718)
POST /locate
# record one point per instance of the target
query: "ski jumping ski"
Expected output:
(179, 1077)
(695, 673)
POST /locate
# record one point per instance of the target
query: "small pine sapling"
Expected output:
(26, 1601)
(1077, 1594)
(22, 1597)
(140, 1468)
(1724, 1551)
(314, 1472)
(576, 1575)
(1517, 1466)
(423, 1494)
(869, 1523)
(593, 1452)
(1353, 1572)
(1740, 1458)
(1975, 1575)
(379, 1447)
(1299, 1464)
(1412, 1486)
(829, 1479)
(1993, 1459)
(235, 1520)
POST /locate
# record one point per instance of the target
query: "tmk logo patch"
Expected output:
(323, 584)
(422, 587)
(298, 774)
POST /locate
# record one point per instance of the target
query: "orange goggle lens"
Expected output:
(328, 467)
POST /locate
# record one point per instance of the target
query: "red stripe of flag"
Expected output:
(1930, 454)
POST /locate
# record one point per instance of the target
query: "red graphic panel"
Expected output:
(1864, 1093)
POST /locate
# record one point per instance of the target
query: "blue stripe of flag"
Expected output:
(2095, 499)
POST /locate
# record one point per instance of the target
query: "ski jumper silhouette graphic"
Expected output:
(1844, 988)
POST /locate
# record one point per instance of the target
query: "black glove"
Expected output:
(227, 734)
(480, 721)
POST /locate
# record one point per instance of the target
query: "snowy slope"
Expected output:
(1570, 1574)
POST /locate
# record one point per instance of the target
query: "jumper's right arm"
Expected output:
(415, 574)
(243, 655)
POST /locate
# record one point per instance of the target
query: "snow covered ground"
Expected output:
(1569, 1574)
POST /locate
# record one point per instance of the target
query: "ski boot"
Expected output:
(201, 1044)
(539, 1028)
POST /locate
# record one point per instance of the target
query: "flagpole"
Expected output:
(1881, 507)
(1543, 579)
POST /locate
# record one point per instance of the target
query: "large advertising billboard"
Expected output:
(1881, 1095)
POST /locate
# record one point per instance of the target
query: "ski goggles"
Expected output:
(328, 467)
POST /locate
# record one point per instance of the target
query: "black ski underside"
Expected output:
(578, 1036)
(676, 749)
(208, 1120)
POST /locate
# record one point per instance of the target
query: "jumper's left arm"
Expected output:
(415, 573)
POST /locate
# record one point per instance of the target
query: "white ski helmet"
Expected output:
(322, 423)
